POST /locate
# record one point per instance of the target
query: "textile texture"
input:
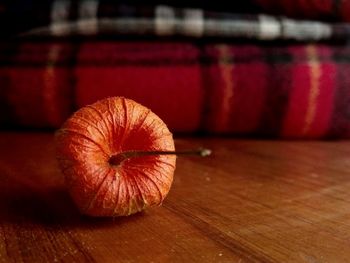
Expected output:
(293, 91)
(331, 10)
(63, 18)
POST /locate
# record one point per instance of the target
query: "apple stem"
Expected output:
(120, 157)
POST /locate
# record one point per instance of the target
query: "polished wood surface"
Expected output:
(251, 201)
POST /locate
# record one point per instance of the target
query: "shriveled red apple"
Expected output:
(118, 157)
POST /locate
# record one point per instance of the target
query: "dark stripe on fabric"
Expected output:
(341, 55)
(207, 92)
(36, 56)
(340, 121)
(238, 6)
(73, 10)
(72, 77)
(140, 62)
(336, 9)
(7, 111)
(277, 92)
(106, 8)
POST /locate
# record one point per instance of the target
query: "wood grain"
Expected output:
(251, 201)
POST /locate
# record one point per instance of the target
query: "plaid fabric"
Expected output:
(295, 91)
(330, 10)
(63, 18)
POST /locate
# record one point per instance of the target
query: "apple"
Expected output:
(117, 157)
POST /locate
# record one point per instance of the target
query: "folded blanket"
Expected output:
(102, 19)
(293, 91)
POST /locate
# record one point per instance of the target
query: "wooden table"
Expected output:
(251, 201)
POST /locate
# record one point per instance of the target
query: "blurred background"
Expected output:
(254, 68)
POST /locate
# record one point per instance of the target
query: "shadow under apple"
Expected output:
(50, 207)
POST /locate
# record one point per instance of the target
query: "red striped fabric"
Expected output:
(294, 91)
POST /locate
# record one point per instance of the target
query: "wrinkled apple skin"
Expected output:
(96, 132)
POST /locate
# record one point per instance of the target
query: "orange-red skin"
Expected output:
(96, 132)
